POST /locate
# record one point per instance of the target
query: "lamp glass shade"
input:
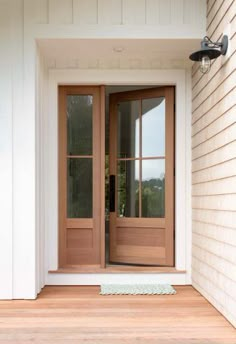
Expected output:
(205, 65)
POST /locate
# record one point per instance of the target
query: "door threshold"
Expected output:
(116, 269)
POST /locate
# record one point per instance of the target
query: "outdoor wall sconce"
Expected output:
(209, 51)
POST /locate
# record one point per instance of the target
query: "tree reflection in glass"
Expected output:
(128, 188)
(153, 188)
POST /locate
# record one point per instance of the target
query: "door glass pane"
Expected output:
(79, 188)
(128, 129)
(79, 125)
(128, 188)
(153, 188)
(153, 127)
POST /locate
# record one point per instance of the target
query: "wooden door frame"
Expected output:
(100, 154)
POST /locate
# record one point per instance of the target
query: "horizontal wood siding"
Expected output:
(214, 168)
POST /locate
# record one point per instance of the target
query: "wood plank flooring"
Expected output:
(74, 314)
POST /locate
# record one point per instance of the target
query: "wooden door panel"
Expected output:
(136, 236)
(141, 252)
(144, 255)
(79, 223)
(80, 256)
(79, 238)
(79, 169)
(143, 239)
(140, 222)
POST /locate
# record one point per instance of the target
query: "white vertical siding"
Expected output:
(60, 11)
(17, 151)
(110, 12)
(117, 12)
(134, 12)
(214, 169)
(164, 12)
(152, 12)
(85, 12)
(5, 154)
(177, 12)
(36, 11)
(23, 100)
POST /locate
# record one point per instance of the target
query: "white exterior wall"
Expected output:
(42, 173)
(6, 154)
(214, 168)
(22, 84)
(167, 17)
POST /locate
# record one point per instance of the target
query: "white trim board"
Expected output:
(61, 31)
(183, 166)
(125, 278)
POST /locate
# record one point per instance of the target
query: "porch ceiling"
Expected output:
(117, 53)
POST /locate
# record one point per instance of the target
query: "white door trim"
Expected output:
(181, 80)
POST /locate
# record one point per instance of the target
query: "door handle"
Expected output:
(70, 168)
(112, 192)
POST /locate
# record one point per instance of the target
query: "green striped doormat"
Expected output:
(137, 289)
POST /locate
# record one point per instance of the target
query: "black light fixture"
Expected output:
(209, 51)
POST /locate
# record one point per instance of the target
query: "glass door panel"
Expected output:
(141, 157)
(128, 129)
(153, 188)
(153, 127)
(79, 188)
(128, 188)
(79, 156)
(79, 125)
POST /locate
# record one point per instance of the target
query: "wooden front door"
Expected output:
(80, 166)
(142, 177)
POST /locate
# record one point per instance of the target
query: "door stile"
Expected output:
(102, 178)
(113, 171)
(62, 176)
(169, 201)
(140, 158)
(96, 177)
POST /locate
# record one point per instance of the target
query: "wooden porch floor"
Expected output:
(81, 315)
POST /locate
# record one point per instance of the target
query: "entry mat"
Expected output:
(137, 289)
